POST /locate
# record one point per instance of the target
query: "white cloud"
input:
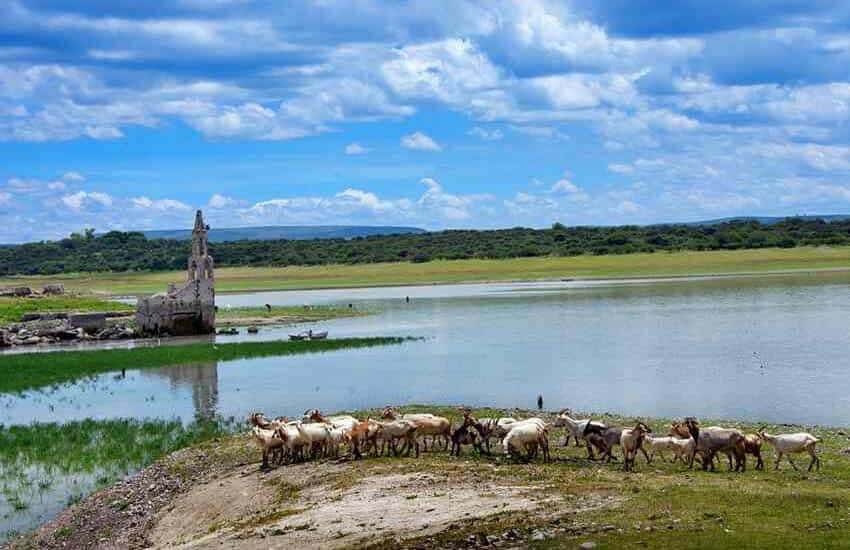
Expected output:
(5, 198)
(620, 168)
(162, 205)
(485, 134)
(564, 185)
(420, 142)
(627, 207)
(80, 199)
(219, 201)
(355, 149)
(73, 176)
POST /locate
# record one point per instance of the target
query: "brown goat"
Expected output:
(752, 446)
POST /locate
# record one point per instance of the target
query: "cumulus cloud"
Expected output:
(564, 185)
(355, 149)
(418, 141)
(73, 177)
(700, 128)
(81, 199)
(219, 201)
(487, 135)
(619, 168)
(159, 204)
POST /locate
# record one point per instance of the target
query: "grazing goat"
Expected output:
(489, 428)
(788, 444)
(713, 440)
(604, 439)
(528, 437)
(631, 440)
(659, 444)
(426, 424)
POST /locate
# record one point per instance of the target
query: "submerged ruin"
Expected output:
(190, 308)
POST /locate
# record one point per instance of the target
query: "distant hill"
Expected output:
(770, 220)
(290, 232)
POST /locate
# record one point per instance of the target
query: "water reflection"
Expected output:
(201, 378)
(701, 347)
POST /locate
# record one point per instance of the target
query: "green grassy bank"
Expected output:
(519, 269)
(27, 371)
(660, 505)
(13, 309)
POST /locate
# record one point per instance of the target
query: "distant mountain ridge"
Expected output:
(289, 232)
(769, 220)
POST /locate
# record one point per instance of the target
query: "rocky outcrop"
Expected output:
(61, 330)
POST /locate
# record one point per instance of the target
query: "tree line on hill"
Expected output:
(132, 251)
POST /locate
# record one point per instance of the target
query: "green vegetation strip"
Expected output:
(659, 264)
(13, 309)
(35, 370)
(117, 251)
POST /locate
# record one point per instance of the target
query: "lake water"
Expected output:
(767, 348)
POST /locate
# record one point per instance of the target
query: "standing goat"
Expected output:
(575, 428)
(788, 444)
(713, 440)
(631, 440)
(426, 424)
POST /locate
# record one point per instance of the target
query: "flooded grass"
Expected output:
(28, 371)
(45, 467)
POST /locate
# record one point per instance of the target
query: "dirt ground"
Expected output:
(215, 496)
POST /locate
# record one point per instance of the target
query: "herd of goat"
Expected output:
(317, 436)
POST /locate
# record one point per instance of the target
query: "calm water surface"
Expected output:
(769, 348)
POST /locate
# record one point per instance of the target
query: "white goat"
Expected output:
(336, 436)
(268, 442)
(489, 428)
(394, 430)
(788, 444)
(426, 424)
(344, 421)
(575, 428)
(657, 444)
(631, 440)
(526, 436)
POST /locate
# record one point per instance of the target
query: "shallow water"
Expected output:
(760, 348)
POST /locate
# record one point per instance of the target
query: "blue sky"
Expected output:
(440, 114)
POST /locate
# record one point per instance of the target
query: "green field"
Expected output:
(520, 269)
(25, 371)
(12, 309)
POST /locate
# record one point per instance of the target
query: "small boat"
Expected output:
(309, 335)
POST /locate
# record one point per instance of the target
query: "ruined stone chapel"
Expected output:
(187, 309)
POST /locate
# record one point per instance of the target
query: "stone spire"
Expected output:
(200, 263)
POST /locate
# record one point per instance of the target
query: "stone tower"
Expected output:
(188, 309)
